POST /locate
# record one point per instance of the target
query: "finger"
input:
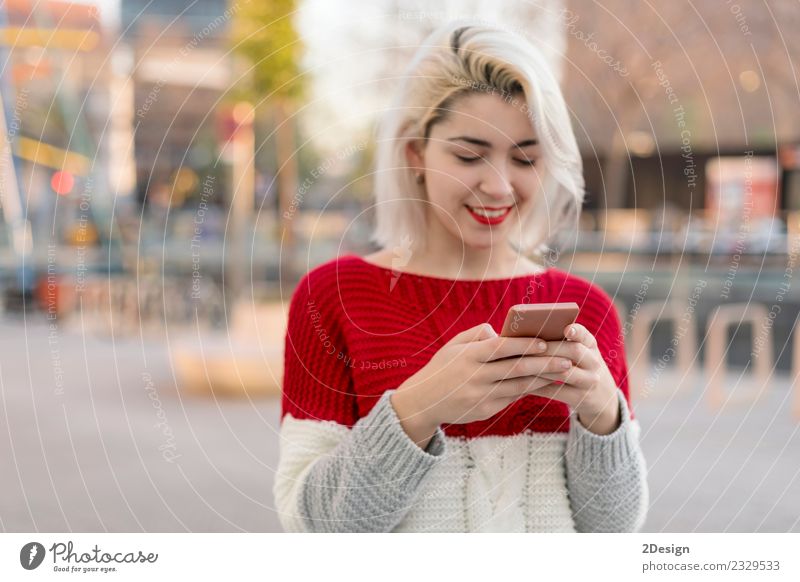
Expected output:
(481, 332)
(536, 390)
(575, 376)
(578, 353)
(506, 401)
(505, 347)
(533, 389)
(526, 366)
(556, 392)
(576, 332)
(518, 387)
(565, 393)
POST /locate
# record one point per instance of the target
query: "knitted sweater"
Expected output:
(356, 331)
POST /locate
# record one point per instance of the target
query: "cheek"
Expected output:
(531, 188)
(525, 208)
(447, 172)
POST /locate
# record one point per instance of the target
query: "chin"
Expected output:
(483, 244)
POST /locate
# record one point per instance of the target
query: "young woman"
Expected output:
(403, 410)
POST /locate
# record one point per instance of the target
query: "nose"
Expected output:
(495, 182)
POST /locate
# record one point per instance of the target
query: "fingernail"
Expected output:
(541, 346)
(571, 331)
(566, 365)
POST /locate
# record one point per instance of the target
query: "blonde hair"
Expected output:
(459, 58)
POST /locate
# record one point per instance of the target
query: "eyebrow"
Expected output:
(484, 143)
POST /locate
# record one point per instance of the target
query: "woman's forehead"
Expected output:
(487, 110)
(496, 124)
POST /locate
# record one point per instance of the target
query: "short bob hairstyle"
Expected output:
(458, 58)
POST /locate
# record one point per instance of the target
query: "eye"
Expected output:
(466, 159)
(526, 162)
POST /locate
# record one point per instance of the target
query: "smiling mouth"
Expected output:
(489, 214)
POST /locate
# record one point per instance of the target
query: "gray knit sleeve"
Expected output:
(607, 476)
(368, 482)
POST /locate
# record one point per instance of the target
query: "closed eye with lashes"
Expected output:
(475, 159)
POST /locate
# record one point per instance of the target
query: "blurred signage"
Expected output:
(196, 69)
(50, 24)
(741, 188)
(789, 156)
(234, 123)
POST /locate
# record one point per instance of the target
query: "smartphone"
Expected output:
(541, 320)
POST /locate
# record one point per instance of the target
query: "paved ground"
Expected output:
(94, 436)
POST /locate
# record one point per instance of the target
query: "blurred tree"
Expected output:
(264, 35)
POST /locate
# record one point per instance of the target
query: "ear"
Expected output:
(415, 153)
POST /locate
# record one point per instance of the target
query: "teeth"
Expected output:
(489, 213)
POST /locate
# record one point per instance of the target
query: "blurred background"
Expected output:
(169, 170)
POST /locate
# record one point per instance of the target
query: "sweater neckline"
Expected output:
(451, 281)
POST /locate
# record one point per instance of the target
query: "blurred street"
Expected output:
(93, 458)
(100, 439)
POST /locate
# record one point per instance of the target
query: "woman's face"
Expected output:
(481, 166)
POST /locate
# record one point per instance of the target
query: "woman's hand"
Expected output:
(588, 387)
(468, 379)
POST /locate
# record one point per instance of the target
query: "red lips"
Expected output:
(491, 220)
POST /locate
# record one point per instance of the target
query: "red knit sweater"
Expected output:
(357, 329)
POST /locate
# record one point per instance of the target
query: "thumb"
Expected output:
(479, 332)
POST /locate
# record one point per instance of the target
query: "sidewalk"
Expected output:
(735, 469)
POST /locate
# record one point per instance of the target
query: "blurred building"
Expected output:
(67, 112)
(180, 69)
(657, 93)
